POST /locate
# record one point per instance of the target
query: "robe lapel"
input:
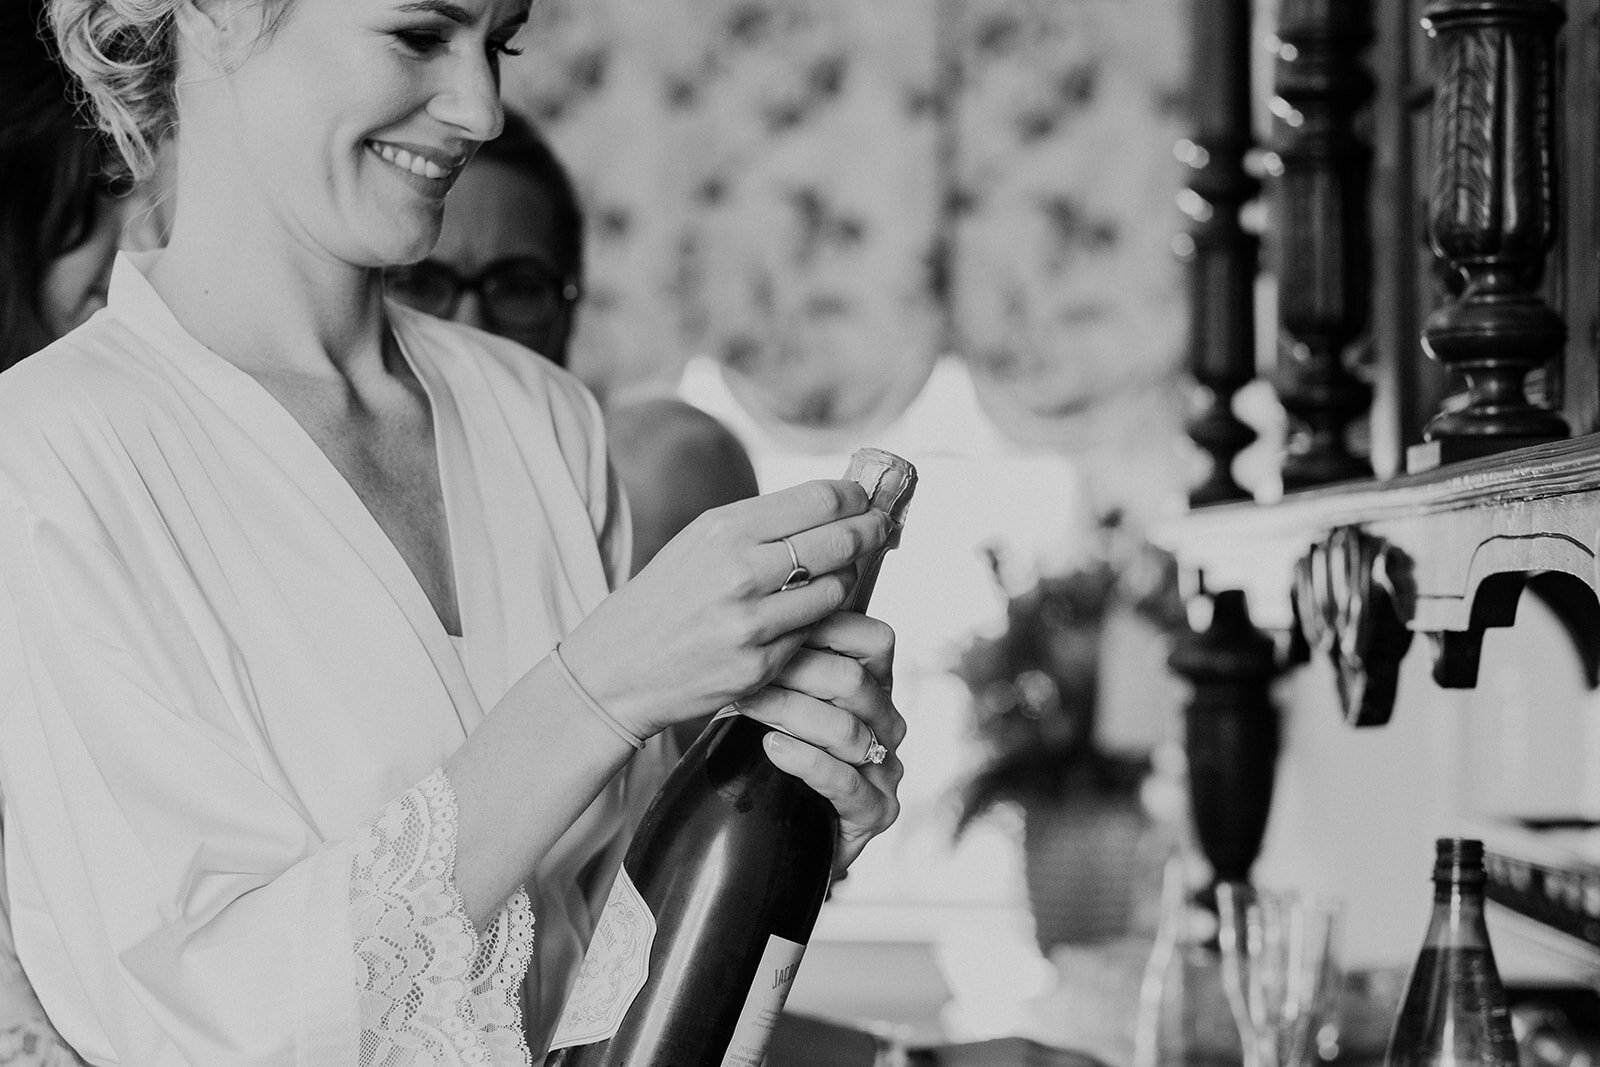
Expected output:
(261, 417)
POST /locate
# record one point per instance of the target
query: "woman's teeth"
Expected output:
(408, 161)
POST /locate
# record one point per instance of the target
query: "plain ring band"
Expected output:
(877, 752)
(798, 575)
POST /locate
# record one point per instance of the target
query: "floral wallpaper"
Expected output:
(825, 195)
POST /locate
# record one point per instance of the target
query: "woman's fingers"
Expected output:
(862, 638)
(829, 555)
(801, 507)
(828, 547)
(830, 711)
(790, 613)
(709, 618)
(844, 725)
(864, 798)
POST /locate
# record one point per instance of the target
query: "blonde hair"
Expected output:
(124, 55)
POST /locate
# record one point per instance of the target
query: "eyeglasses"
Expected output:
(518, 291)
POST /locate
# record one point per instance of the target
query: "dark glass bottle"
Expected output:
(1454, 1013)
(702, 935)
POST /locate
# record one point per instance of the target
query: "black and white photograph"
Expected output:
(800, 533)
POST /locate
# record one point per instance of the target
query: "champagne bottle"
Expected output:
(709, 916)
(1454, 1013)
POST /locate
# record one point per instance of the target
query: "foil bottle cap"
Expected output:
(889, 481)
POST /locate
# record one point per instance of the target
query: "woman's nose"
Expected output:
(470, 100)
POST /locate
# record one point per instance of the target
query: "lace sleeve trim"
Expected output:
(431, 990)
(35, 1045)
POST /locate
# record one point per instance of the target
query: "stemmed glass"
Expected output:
(1278, 970)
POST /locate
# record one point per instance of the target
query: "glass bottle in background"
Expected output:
(1454, 1013)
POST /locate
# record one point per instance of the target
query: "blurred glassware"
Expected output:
(1546, 1037)
(1279, 970)
(1183, 1017)
(1362, 1017)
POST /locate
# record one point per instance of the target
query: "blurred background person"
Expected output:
(59, 216)
(510, 261)
(510, 257)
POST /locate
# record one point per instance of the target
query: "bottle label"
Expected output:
(614, 969)
(774, 977)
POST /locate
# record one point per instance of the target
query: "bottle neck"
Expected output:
(889, 482)
(1458, 920)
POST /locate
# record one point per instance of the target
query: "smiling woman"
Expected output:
(321, 680)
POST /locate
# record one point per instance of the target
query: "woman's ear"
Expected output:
(221, 32)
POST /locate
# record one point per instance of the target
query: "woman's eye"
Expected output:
(503, 48)
(420, 41)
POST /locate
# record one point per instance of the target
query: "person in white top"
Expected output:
(259, 808)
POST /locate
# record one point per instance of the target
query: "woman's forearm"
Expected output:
(521, 780)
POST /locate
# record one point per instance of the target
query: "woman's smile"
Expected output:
(431, 171)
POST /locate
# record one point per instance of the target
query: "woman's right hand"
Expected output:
(707, 621)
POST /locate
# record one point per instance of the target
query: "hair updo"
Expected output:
(124, 54)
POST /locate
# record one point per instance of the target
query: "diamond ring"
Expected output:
(877, 752)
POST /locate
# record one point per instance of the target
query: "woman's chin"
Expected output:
(402, 242)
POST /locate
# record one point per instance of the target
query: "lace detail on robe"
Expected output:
(26, 1045)
(26, 1037)
(432, 992)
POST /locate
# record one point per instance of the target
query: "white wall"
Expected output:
(1356, 812)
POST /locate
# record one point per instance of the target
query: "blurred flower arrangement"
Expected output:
(1034, 687)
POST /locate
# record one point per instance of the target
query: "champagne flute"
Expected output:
(1277, 969)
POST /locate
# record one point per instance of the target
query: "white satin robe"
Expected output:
(221, 685)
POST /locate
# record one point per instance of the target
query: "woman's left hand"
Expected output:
(829, 704)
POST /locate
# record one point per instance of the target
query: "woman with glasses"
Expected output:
(510, 254)
(328, 703)
(510, 260)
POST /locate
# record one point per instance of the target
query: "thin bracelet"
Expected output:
(590, 702)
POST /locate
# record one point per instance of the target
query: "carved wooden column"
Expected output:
(1223, 258)
(1492, 218)
(1323, 262)
(1230, 734)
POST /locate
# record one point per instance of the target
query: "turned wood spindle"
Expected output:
(1324, 261)
(1230, 734)
(1223, 257)
(1492, 218)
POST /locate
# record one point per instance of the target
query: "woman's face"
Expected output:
(347, 121)
(74, 284)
